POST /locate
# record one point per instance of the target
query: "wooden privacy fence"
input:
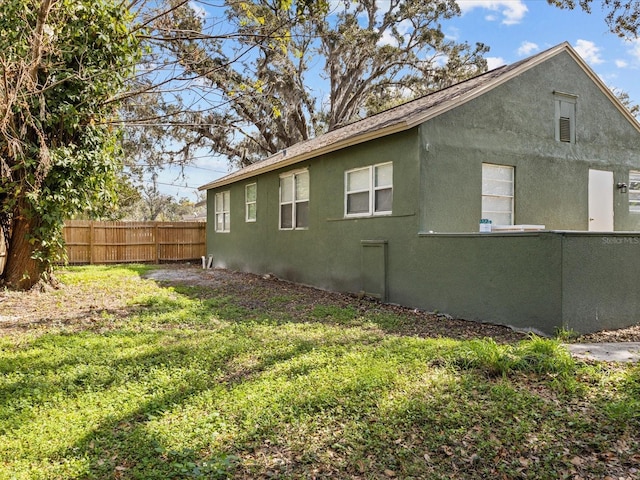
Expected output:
(134, 242)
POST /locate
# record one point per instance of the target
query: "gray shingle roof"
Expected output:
(402, 117)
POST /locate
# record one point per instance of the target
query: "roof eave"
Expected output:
(479, 91)
(287, 162)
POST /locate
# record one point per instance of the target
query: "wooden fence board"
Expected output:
(134, 242)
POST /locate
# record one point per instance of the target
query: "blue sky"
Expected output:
(513, 29)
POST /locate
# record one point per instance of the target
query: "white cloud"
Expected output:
(440, 60)
(622, 63)
(635, 49)
(387, 38)
(495, 62)
(589, 52)
(336, 6)
(513, 11)
(200, 12)
(527, 48)
(452, 33)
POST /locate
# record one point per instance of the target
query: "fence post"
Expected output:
(155, 233)
(91, 242)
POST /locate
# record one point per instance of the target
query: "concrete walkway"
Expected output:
(606, 352)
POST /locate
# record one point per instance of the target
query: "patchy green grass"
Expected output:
(185, 383)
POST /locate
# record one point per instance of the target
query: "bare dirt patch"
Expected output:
(187, 275)
(65, 305)
(630, 334)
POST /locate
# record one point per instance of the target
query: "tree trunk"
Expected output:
(21, 270)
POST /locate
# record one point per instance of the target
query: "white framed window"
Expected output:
(634, 191)
(294, 200)
(369, 190)
(565, 117)
(250, 198)
(223, 210)
(497, 193)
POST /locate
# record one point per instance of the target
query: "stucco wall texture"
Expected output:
(428, 253)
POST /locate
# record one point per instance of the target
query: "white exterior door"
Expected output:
(600, 201)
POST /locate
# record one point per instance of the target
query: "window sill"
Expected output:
(367, 215)
(494, 234)
(370, 217)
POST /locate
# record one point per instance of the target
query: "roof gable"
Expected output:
(411, 114)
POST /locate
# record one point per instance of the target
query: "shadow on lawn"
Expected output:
(144, 386)
(244, 296)
(199, 382)
(255, 434)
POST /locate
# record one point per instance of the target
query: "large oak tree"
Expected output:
(252, 77)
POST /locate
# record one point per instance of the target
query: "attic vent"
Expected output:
(565, 117)
(565, 129)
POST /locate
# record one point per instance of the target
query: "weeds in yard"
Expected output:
(536, 355)
(187, 383)
(566, 334)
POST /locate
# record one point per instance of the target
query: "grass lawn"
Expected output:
(153, 381)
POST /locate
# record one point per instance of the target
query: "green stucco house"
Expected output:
(511, 198)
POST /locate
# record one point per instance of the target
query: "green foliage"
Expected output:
(634, 108)
(172, 389)
(59, 150)
(623, 16)
(536, 355)
(566, 334)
